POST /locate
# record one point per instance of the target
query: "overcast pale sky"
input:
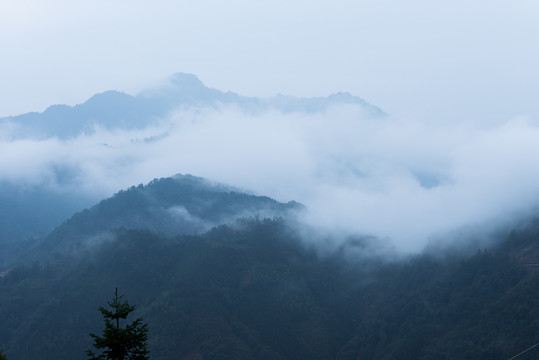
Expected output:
(439, 60)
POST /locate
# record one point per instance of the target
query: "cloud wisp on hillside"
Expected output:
(392, 178)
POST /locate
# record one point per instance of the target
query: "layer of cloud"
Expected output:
(399, 179)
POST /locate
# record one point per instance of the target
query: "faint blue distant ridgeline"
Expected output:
(114, 109)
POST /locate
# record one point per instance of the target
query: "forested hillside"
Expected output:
(253, 290)
(183, 204)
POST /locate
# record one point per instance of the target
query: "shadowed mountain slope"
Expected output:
(183, 204)
(253, 291)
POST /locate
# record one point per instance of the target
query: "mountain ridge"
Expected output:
(255, 291)
(115, 109)
(177, 205)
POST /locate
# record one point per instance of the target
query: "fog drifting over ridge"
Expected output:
(393, 178)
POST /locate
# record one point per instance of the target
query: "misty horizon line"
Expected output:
(185, 82)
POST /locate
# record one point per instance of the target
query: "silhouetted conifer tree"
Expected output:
(120, 343)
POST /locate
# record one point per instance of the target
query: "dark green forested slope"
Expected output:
(247, 291)
(252, 291)
(183, 204)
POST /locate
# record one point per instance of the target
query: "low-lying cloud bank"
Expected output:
(393, 178)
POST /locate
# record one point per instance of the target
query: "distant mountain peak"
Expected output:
(184, 80)
(118, 110)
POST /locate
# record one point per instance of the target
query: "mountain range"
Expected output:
(218, 272)
(33, 207)
(256, 288)
(118, 110)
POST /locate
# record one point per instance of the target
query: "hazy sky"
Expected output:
(439, 60)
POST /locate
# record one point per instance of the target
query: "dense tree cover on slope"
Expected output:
(253, 291)
(183, 204)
